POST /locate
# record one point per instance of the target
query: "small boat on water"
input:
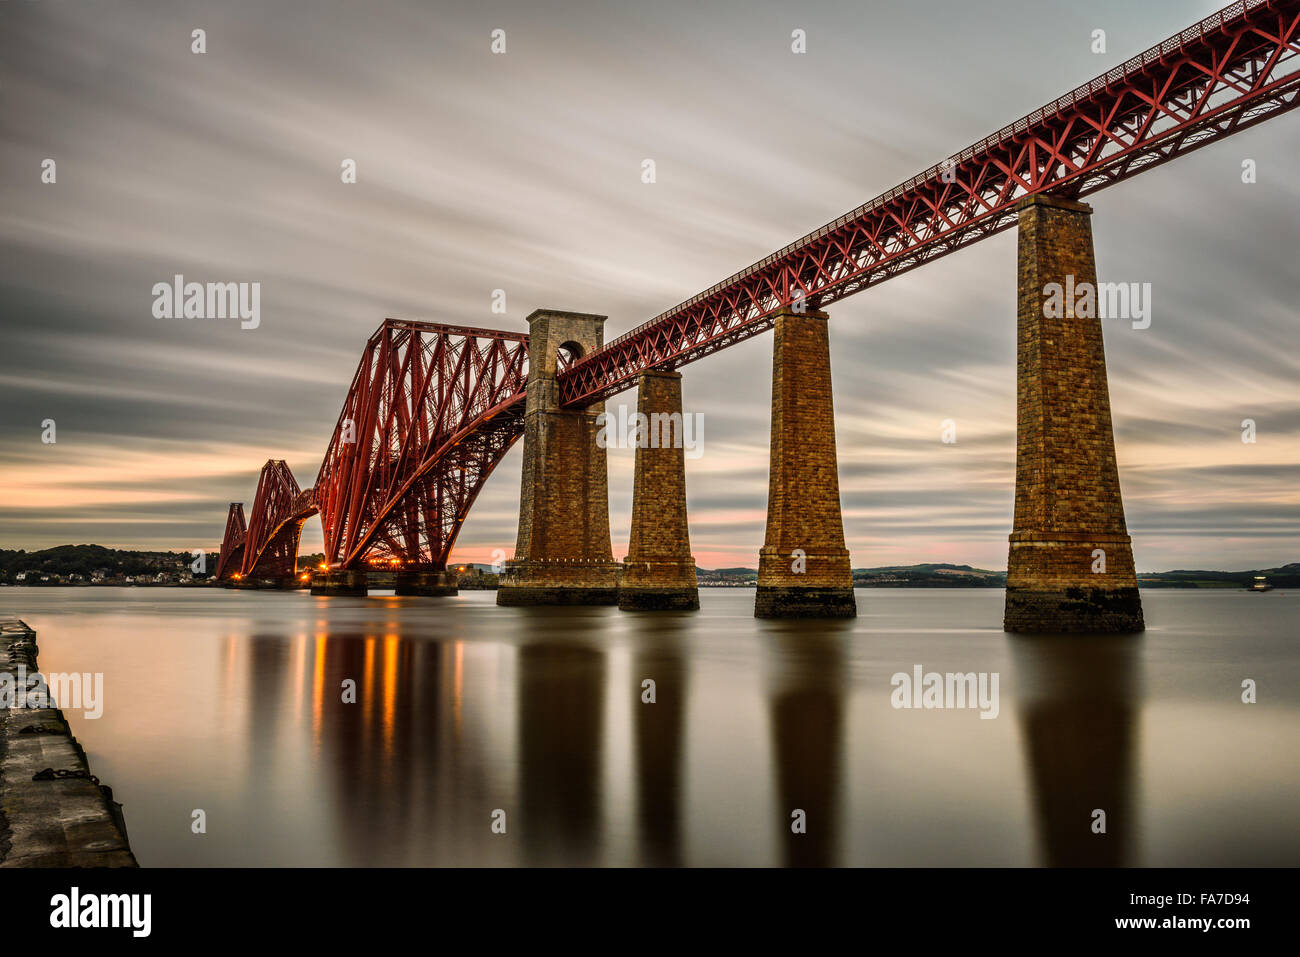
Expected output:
(1261, 584)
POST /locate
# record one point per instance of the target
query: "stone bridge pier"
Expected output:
(803, 568)
(563, 554)
(340, 583)
(1070, 566)
(659, 571)
(427, 583)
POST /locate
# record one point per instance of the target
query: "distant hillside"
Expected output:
(92, 562)
(95, 562)
(942, 575)
(928, 575)
(1287, 576)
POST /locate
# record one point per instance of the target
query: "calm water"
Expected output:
(231, 702)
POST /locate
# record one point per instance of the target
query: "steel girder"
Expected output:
(231, 558)
(1232, 70)
(279, 510)
(432, 409)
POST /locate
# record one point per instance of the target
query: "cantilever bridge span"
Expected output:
(433, 408)
(430, 412)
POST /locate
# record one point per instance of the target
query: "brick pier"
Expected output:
(424, 583)
(563, 554)
(1069, 517)
(803, 569)
(339, 583)
(659, 571)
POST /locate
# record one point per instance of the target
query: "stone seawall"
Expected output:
(53, 811)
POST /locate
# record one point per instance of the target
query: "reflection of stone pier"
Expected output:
(53, 812)
(806, 692)
(560, 756)
(659, 731)
(1078, 704)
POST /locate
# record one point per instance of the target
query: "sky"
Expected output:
(521, 171)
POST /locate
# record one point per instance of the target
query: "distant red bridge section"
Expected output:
(433, 408)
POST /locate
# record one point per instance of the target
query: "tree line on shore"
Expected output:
(95, 563)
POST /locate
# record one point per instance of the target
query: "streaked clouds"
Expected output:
(521, 172)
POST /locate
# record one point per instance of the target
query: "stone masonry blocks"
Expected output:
(659, 571)
(563, 554)
(1068, 501)
(803, 501)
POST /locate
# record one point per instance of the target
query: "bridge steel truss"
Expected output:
(1233, 70)
(434, 408)
(431, 412)
(280, 509)
(231, 559)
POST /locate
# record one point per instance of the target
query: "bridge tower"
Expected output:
(1070, 566)
(563, 554)
(803, 568)
(659, 571)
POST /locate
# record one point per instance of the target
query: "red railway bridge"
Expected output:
(433, 408)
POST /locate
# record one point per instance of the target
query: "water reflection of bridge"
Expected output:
(551, 729)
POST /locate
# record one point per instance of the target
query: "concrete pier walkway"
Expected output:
(53, 812)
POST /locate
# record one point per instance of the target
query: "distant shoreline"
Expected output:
(97, 566)
(1215, 586)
